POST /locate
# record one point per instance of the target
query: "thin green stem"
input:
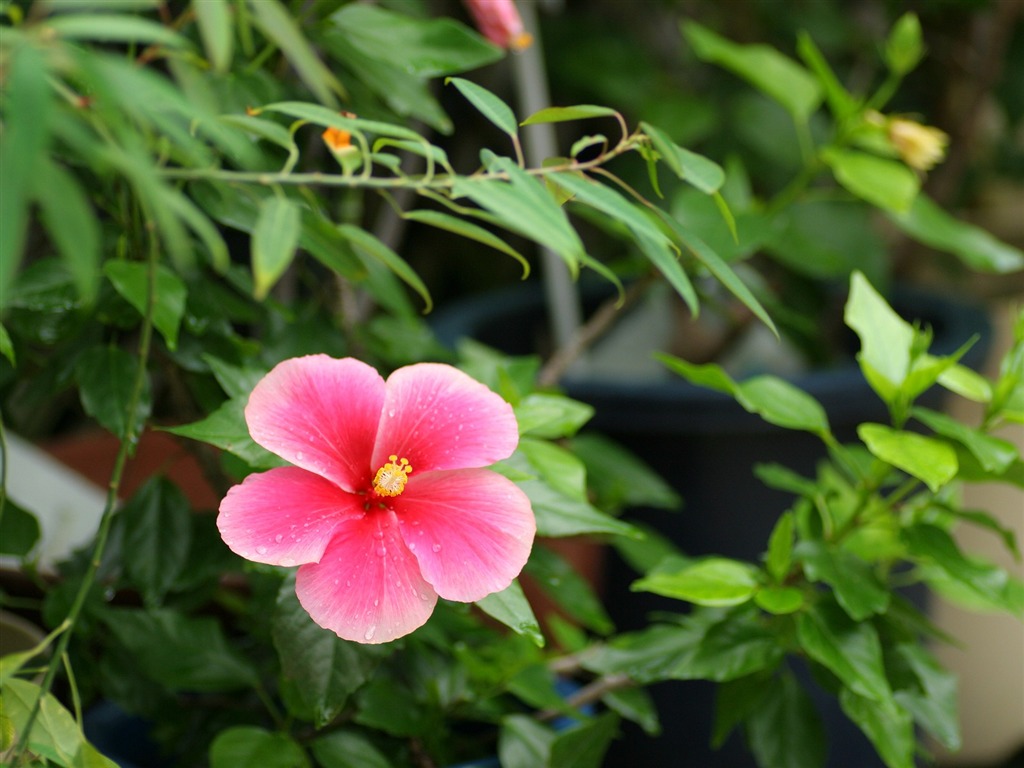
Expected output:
(103, 533)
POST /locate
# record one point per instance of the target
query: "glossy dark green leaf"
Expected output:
(569, 589)
(889, 727)
(106, 383)
(225, 428)
(738, 645)
(512, 609)
(850, 649)
(584, 745)
(19, 529)
(131, 279)
(620, 478)
(348, 749)
(182, 653)
(248, 746)
(785, 730)
(324, 669)
(856, 587)
(157, 536)
(635, 705)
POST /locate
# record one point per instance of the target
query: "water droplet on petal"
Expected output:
(436, 547)
(391, 413)
(298, 455)
(376, 603)
(278, 538)
(368, 635)
(381, 551)
(261, 550)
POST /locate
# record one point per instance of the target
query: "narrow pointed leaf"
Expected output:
(374, 248)
(274, 240)
(489, 105)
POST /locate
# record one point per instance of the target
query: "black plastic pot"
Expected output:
(705, 446)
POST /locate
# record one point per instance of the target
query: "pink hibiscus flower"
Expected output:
(388, 505)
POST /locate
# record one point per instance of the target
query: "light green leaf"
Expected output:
(113, 28)
(713, 581)
(993, 453)
(375, 249)
(977, 248)
(966, 383)
(567, 114)
(783, 404)
(840, 101)
(489, 105)
(71, 224)
(888, 184)
(131, 279)
(762, 66)
(904, 47)
(55, 735)
(885, 338)
(523, 742)
(216, 31)
(274, 240)
(468, 230)
(934, 703)
(931, 461)
(540, 414)
(780, 600)
(849, 648)
(853, 581)
(7, 346)
(512, 609)
(11, 663)
(704, 174)
(247, 746)
(710, 375)
(279, 26)
(780, 548)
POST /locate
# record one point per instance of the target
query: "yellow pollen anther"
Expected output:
(391, 478)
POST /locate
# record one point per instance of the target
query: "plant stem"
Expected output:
(128, 442)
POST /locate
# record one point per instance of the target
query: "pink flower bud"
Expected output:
(499, 21)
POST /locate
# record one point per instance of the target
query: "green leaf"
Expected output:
(216, 31)
(977, 248)
(619, 478)
(71, 224)
(889, 727)
(738, 645)
(279, 26)
(966, 383)
(993, 453)
(19, 530)
(779, 600)
(783, 404)
(226, 429)
(934, 547)
(888, 184)
(106, 380)
(885, 338)
(234, 380)
(840, 101)
(523, 742)
(856, 587)
(113, 28)
(7, 346)
(247, 746)
(489, 105)
(850, 649)
(524, 206)
(180, 652)
(365, 242)
(348, 749)
(572, 592)
(785, 730)
(933, 702)
(424, 47)
(131, 279)
(28, 108)
(931, 461)
(12, 663)
(697, 170)
(711, 581)
(568, 114)
(55, 735)
(904, 47)
(274, 240)
(157, 534)
(512, 609)
(584, 745)
(551, 416)
(556, 466)
(772, 73)
(635, 705)
(468, 230)
(323, 669)
(780, 548)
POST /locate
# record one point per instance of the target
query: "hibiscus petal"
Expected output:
(321, 414)
(284, 516)
(471, 530)
(438, 417)
(367, 587)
